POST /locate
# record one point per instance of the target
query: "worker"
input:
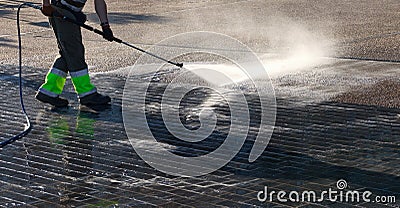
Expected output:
(71, 57)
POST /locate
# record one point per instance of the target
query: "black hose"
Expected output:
(28, 126)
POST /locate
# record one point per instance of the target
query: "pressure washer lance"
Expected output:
(180, 65)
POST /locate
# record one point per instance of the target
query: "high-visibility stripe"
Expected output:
(87, 93)
(48, 93)
(79, 73)
(58, 72)
(54, 84)
(74, 5)
(82, 84)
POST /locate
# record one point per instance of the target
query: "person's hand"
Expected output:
(107, 32)
(47, 10)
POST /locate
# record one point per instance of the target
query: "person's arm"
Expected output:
(46, 3)
(46, 8)
(101, 10)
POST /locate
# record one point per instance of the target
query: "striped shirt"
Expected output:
(74, 5)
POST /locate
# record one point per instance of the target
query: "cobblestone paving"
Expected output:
(79, 157)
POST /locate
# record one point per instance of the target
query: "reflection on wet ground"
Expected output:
(82, 157)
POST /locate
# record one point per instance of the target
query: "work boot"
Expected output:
(95, 99)
(55, 101)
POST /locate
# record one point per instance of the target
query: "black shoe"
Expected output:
(95, 99)
(55, 101)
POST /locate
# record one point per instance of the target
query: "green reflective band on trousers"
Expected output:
(54, 83)
(82, 84)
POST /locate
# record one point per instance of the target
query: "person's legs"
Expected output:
(72, 59)
(55, 79)
(73, 51)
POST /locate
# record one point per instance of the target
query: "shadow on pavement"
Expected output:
(126, 18)
(40, 24)
(6, 42)
(5, 12)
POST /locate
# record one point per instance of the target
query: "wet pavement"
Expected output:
(82, 157)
